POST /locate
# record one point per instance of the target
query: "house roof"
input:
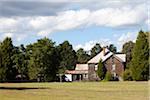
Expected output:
(76, 71)
(105, 54)
(121, 57)
(81, 67)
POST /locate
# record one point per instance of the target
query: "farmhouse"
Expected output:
(113, 63)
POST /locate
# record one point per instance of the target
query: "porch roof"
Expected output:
(76, 71)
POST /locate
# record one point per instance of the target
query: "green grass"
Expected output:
(77, 91)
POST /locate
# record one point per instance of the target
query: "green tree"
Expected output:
(101, 71)
(112, 48)
(7, 71)
(127, 49)
(139, 63)
(20, 61)
(43, 60)
(83, 57)
(95, 50)
(67, 56)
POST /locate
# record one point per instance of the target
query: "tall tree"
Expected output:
(8, 72)
(83, 57)
(139, 63)
(20, 61)
(95, 50)
(112, 48)
(68, 57)
(101, 71)
(127, 49)
(43, 59)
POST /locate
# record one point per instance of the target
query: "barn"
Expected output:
(113, 63)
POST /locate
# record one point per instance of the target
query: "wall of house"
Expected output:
(92, 76)
(119, 66)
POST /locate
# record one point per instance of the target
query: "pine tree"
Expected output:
(8, 72)
(101, 71)
(139, 63)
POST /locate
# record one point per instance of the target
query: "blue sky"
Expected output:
(82, 23)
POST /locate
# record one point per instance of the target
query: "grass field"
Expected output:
(75, 91)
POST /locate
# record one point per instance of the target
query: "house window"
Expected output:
(113, 67)
(114, 74)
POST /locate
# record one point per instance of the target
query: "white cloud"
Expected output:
(130, 36)
(90, 44)
(71, 19)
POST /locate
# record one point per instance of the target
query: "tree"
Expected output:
(7, 71)
(67, 56)
(20, 61)
(112, 48)
(95, 50)
(43, 60)
(127, 49)
(83, 57)
(139, 63)
(101, 71)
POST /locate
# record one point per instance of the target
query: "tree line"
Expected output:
(40, 59)
(45, 59)
(137, 60)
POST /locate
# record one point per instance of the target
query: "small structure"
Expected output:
(114, 63)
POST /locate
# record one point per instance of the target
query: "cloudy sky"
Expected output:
(82, 22)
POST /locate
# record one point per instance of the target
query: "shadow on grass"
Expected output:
(19, 88)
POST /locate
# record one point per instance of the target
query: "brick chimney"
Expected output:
(104, 51)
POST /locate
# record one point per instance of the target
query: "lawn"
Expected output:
(75, 91)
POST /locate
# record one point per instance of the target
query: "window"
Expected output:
(113, 67)
(114, 74)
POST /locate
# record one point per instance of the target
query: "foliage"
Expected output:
(83, 57)
(139, 63)
(67, 56)
(112, 48)
(95, 50)
(108, 77)
(127, 75)
(101, 71)
(127, 49)
(43, 59)
(7, 71)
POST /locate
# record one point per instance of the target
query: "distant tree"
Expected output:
(139, 63)
(127, 49)
(83, 57)
(95, 50)
(20, 61)
(101, 71)
(112, 48)
(43, 60)
(7, 71)
(68, 57)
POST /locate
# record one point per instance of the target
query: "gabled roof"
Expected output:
(103, 55)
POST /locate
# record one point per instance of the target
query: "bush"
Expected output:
(127, 76)
(108, 77)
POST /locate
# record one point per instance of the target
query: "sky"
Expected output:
(82, 22)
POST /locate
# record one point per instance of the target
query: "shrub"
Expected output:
(127, 76)
(108, 77)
